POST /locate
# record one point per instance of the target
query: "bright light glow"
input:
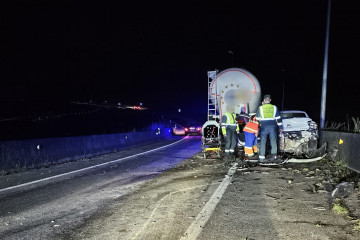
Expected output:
(312, 125)
(186, 129)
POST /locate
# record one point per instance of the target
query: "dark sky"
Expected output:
(158, 53)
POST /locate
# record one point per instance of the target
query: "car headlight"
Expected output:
(312, 125)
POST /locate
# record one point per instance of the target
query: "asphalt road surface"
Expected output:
(168, 193)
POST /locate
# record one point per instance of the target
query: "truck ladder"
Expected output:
(213, 112)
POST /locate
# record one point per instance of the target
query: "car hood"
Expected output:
(296, 124)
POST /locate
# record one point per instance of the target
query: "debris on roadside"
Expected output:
(319, 208)
(343, 190)
(305, 170)
(332, 152)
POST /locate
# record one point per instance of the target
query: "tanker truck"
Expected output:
(233, 87)
(239, 88)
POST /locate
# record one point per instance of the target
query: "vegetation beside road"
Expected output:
(351, 125)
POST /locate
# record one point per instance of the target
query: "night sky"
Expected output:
(158, 53)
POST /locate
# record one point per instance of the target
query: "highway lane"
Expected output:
(47, 209)
(175, 193)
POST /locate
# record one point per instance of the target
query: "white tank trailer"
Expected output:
(233, 87)
(238, 88)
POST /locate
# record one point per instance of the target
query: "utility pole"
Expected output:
(283, 89)
(324, 82)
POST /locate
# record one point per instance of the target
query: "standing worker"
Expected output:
(251, 131)
(270, 120)
(230, 129)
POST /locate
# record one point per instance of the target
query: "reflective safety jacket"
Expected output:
(252, 126)
(229, 120)
(268, 115)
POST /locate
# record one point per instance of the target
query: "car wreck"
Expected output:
(300, 135)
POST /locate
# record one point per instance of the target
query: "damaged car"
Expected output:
(300, 135)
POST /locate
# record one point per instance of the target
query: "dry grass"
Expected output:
(357, 225)
(348, 126)
(340, 208)
(356, 124)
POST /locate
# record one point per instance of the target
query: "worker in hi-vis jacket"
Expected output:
(251, 130)
(230, 129)
(270, 123)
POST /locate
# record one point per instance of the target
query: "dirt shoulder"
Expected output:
(282, 203)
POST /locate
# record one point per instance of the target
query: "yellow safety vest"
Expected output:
(230, 121)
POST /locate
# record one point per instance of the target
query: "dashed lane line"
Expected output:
(85, 169)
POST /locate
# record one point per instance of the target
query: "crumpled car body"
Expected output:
(300, 134)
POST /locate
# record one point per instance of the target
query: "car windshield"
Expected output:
(293, 115)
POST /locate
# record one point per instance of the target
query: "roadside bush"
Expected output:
(351, 125)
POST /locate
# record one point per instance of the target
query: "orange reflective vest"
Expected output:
(252, 126)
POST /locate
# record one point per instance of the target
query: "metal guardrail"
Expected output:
(17, 155)
(345, 145)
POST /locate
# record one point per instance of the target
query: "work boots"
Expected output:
(255, 157)
(273, 159)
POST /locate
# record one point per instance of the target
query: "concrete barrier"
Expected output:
(24, 154)
(347, 146)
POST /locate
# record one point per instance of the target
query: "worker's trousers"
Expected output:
(230, 140)
(270, 131)
(250, 144)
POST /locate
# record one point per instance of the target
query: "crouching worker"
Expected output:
(230, 129)
(251, 130)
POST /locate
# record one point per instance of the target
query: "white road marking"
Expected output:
(159, 203)
(196, 227)
(88, 168)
